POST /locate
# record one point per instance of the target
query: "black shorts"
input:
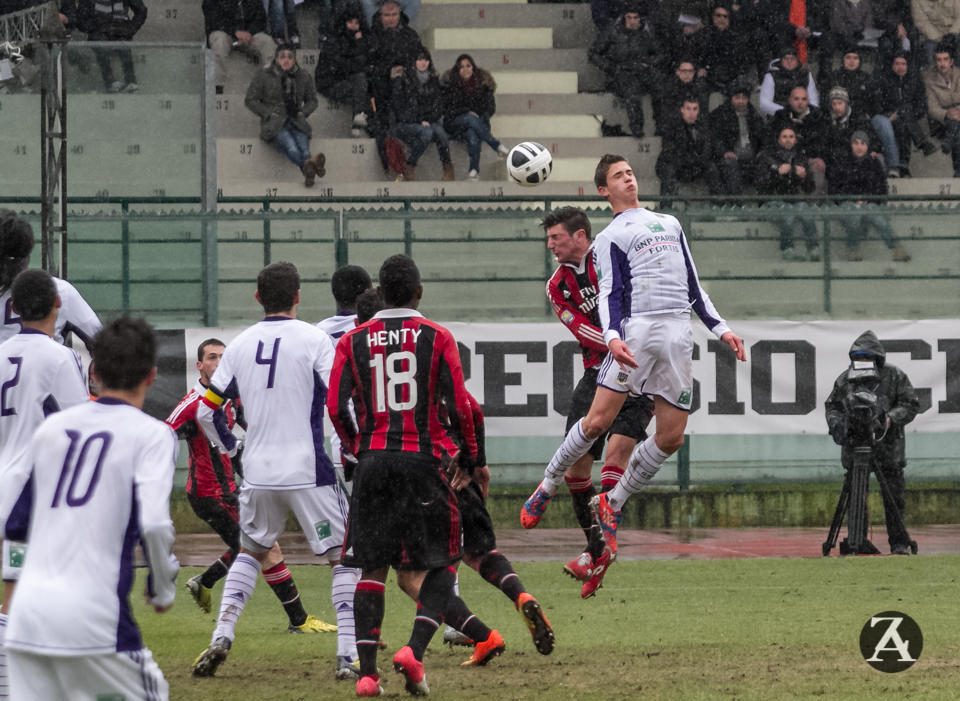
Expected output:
(478, 537)
(632, 421)
(221, 517)
(403, 514)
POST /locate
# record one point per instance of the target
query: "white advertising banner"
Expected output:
(523, 374)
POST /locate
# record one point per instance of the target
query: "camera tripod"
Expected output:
(853, 504)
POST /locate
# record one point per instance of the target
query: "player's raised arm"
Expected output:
(215, 429)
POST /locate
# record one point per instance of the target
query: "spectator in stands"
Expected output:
(848, 20)
(236, 24)
(784, 75)
(282, 22)
(942, 82)
(683, 84)
(794, 23)
(722, 51)
(687, 154)
(895, 19)
(860, 86)
(409, 8)
(809, 124)
(737, 129)
(782, 169)
(418, 108)
(842, 123)
(625, 53)
(468, 104)
(392, 43)
(341, 72)
(938, 21)
(903, 104)
(857, 173)
(119, 20)
(283, 96)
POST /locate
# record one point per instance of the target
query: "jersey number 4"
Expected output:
(391, 382)
(80, 468)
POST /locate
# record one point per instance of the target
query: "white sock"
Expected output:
(342, 589)
(237, 590)
(644, 463)
(575, 445)
(4, 681)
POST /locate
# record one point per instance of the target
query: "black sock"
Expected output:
(497, 570)
(581, 508)
(281, 581)
(463, 619)
(218, 570)
(435, 593)
(368, 608)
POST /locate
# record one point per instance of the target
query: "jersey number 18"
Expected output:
(389, 381)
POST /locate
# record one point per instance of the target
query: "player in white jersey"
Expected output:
(74, 315)
(38, 376)
(647, 286)
(97, 491)
(280, 366)
(16, 244)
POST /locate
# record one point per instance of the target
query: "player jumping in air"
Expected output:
(572, 291)
(648, 283)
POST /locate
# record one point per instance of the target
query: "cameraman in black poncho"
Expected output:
(897, 405)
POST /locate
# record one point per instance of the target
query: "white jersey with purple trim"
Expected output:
(280, 368)
(336, 326)
(102, 474)
(644, 267)
(75, 316)
(38, 377)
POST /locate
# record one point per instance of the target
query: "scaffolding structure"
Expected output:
(40, 27)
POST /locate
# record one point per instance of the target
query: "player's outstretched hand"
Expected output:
(736, 343)
(621, 353)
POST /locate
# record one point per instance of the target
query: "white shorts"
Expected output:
(14, 554)
(662, 345)
(321, 512)
(120, 675)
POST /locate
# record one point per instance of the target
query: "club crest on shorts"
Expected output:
(622, 377)
(18, 554)
(684, 397)
(323, 529)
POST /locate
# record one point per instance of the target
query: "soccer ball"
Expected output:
(529, 163)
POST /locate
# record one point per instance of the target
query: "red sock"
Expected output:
(609, 476)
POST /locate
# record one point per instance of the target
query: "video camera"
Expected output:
(863, 409)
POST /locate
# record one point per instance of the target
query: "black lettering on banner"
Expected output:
(725, 361)
(496, 379)
(565, 354)
(951, 348)
(918, 350)
(804, 374)
(464, 360)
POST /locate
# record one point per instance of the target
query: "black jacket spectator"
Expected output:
(687, 153)
(861, 87)
(725, 127)
(389, 47)
(905, 95)
(675, 89)
(415, 102)
(232, 15)
(342, 54)
(810, 126)
(118, 21)
(840, 128)
(771, 182)
(721, 50)
(857, 176)
(737, 137)
(475, 96)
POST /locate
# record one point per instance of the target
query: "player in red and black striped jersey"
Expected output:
(398, 368)
(211, 490)
(573, 294)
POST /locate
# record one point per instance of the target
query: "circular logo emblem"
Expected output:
(891, 641)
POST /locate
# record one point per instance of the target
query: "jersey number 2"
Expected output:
(5, 407)
(75, 467)
(389, 381)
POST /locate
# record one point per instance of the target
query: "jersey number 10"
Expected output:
(74, 465)
(389, 381)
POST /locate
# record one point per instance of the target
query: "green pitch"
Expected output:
(695, 629)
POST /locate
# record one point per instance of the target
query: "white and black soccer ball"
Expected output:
(529, 163)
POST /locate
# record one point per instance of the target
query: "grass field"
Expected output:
(682, 629)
